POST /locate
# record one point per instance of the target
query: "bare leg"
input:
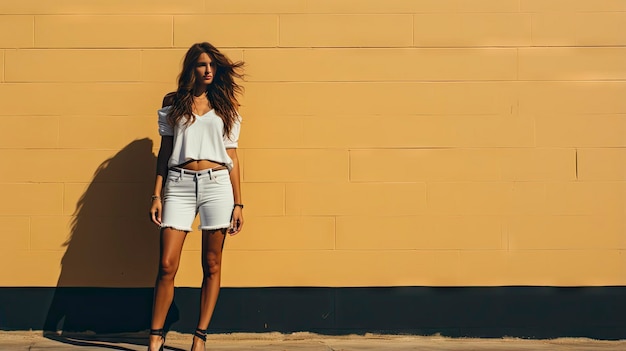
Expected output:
(171, 247)
(212, 245)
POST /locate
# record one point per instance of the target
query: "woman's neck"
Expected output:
(199, 91)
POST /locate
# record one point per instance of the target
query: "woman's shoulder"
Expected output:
(168, 99)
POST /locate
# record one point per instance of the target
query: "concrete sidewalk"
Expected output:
(32, 340)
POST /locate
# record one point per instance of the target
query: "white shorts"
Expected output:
(188, 193)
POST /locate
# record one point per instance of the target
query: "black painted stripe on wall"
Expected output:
(530, 312)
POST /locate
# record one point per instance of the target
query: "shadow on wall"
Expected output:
(108, 269)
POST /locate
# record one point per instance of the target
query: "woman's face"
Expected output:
(205, 69)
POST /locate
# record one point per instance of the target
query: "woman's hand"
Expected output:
(237, 222)
(155, 211)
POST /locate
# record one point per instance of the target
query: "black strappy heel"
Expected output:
(160, 333)
(200, 334)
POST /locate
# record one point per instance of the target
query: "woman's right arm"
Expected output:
(165, 151)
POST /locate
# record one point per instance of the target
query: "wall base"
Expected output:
(528, 312)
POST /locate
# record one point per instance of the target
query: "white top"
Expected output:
(202, 140)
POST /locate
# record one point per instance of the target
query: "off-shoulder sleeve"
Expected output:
(232, 141)
(165, 129)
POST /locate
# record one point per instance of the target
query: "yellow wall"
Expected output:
(427, 142)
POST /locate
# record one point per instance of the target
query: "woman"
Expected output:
(197, 173)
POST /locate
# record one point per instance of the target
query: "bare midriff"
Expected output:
(199, 165)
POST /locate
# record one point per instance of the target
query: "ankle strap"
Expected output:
(200, 333)
(156, 332)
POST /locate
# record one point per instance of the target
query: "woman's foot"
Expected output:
(199, 340)
(157, 340)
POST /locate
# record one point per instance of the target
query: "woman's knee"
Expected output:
(211, 263)
(168, 267)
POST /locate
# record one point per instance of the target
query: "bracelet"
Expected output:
(240, 205)
(155, 197)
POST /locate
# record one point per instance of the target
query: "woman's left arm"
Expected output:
(237, 220)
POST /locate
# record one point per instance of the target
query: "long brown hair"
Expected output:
(222, 92)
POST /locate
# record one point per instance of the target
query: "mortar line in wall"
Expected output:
(609, 46)
(439, 82)
(576, 162)
(398, 47)
(335, 233)
(349, 165)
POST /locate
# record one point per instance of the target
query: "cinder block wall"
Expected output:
(385, 143)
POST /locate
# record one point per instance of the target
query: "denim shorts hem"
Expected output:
(163, 226)
(214, 227)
